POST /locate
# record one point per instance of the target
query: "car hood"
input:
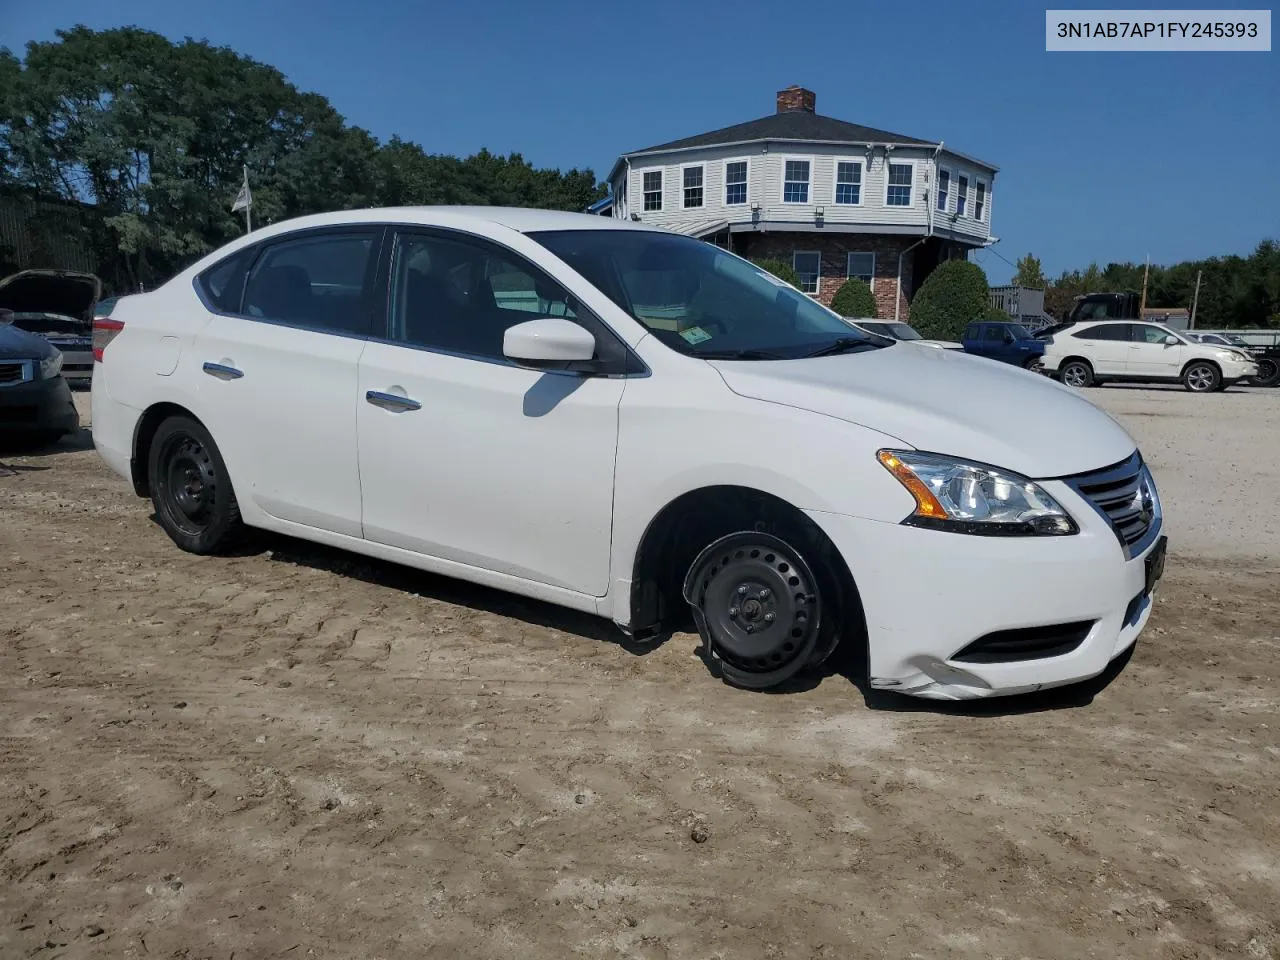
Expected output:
(51, 291)
(16, 344)
(944, 344)
(945, 402)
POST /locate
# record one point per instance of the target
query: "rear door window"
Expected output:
(1108, 331)
(319, 282)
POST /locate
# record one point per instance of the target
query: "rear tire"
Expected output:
(1201, 377)
(763, 611)
(190, 488)
(1077, 373)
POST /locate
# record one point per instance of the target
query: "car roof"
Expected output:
(521, 219)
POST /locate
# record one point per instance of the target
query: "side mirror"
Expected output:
(548, 341)
(1008, 337)
(1170, 340)
(6, 315)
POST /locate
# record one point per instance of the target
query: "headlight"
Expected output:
(51, 366)
(965, 497)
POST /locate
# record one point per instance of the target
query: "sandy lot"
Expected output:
(298, 753)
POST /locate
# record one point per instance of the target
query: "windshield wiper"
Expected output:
(738, 355)
(844, 345)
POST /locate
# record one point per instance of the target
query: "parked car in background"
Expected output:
(35, 402)
(1006, 342)
(1091, 352)
(643, 426)
(901, 331)
(1266, 356)
(57, 305)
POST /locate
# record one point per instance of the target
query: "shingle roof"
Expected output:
(791, 125)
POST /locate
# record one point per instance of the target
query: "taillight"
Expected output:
(104, 331)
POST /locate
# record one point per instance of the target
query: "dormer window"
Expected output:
(692, 187)
(899, 189)
(848, 182)
(652, 190)
(795, 184)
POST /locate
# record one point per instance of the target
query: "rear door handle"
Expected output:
(222, 371)
(392, 402)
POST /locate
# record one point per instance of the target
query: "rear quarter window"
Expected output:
(222, 285)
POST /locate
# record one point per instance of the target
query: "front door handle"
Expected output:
(392, 402)
(222, 371)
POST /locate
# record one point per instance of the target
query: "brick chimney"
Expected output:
(797, 100)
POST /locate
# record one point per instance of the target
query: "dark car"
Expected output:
(35, 401)
(1006, 342)
(59, 306)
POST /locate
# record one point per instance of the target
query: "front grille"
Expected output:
(1125, 496)
(13, 372)
(1026, 643)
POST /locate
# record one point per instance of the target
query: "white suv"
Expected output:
(641, 425)
(1095, 351)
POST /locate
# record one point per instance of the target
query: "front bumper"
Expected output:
(38, 406)
(930, 597)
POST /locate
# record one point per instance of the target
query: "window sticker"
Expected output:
(695, 335)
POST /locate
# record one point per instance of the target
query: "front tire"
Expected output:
(190, 488)
(1077, 373)
(762, 610)
(1268, 373)
(1201, 377)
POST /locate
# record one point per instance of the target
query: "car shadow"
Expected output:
(847, 664)
(282, 549)
(16, 445)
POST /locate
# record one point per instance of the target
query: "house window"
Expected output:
(899, 194)
(848, 182)
(653, 190)
(944, 188)
(735, 182)
(962, 195)
(862, 266)
(980, 201)
(692, 187)
(808, 266)
(795, 184)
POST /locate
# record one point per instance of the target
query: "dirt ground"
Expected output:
(299, 753)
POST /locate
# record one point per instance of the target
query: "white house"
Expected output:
(833, 199)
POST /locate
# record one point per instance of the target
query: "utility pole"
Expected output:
(1195, 299)
(1145, 273)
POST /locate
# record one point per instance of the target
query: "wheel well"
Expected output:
(143, 434)
(1191, 363)
(1067, 360)
(686, 525)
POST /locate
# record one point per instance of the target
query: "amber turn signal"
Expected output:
(927, 504)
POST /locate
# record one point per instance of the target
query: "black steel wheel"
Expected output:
(1268, 372)
(759, 608)
(190, 489)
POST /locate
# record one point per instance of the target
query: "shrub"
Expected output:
(781, 270)
(854, 299)
(954, 295)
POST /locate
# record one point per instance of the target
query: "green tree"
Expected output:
(780, 269)
(854, 299)
(153, 136)
(1029, 274)
(952, 296)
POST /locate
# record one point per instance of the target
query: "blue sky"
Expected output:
(1102, 156)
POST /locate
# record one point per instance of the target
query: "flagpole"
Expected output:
(248, 215)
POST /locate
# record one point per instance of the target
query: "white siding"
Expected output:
(966, 225)
(765, 187)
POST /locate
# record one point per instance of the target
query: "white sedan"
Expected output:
(641, 425)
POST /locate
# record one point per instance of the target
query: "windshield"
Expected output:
(701, 300)
(899, 331)
(1019, 331)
